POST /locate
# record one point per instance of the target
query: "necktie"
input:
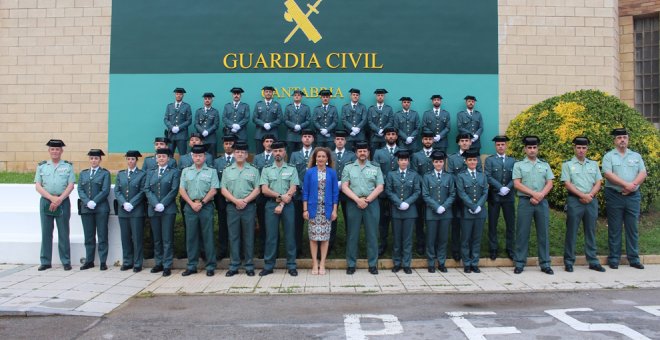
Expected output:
(267, 157)
(130, 172)
(403, 175)
(160, 172)
(177, 106)
(339, 155)
(439, 175)
(391, 151)
(473, 175)
(267, 105)
(235, 105)
(325, 108)
(353, 106)
(428, 153)
(380, 107)
(206, 109)
(306, 154)
(228, 159)
(470, 113)
(437, 112)
(93, 173)
(297, 107)
(502, 158)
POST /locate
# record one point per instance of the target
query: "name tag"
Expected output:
(287, 173)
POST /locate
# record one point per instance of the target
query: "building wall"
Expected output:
(54, 65)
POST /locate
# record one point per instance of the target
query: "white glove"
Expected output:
(353, 133)
(297, 128)
(475, 137)
(473, 140)
(324, 131)
(327, 134)
(205, 133)
(441, 210)
(159, 207)
(380, 132)
(404, 206)
(356, 130)
(127, 206)
(478, 210)
(267, 126)
(504, 191)
(175, 129)
(471, 212)
(339, 184)
(91, 205)
(234, 131)
(437, 138)
(409, 140)
(236, 127)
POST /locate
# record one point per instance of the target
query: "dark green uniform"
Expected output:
(197, 183)
(266, 113)
(162, 189)
(55, 179)
(279, 180)
(408, 124)
(180, 115)
(421, 163)
(340, 159)
(387, 161)
(499, 170)
(354, 116)
(94, 185)
(296, 116)
(220, 164)
(208, 119)
(379, 118)
(584, 175)
(325, 117)
(534, 176)
(622, 210)
(362, 180)
(129, 186)
(236, 113)
(300, 159)
(403, 187)
(261, 161)
(240, 183)
(438, 122)
(472, 123)
(438, 190)
(456, 165)
(472, 188)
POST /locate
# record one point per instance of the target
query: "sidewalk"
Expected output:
(26, 291)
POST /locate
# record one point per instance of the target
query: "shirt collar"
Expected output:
(133, 170)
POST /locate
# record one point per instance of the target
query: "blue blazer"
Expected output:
(311, 187)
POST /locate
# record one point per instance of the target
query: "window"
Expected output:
(647, 68)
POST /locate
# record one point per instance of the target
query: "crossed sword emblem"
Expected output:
(295, 13)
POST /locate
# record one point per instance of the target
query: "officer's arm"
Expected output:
(517, 184)
(344, 117)
(641, 177)
(278, 117)
(184, 195)
(188, 119)
(374, 194)
(246, 117)
(140, 195)
(316, 122)
(287, 119)
(253, 195)
(363, 120)
(209, 195)
(267, 192)
(226, 115)
(151, 198)
(426, 195)
(119, 193)
(306, 122)
(489, 175)
(198, 127)
(347, 190)
(82, 194)
(546, 188)
(463, 195)
(372, 123)
(171, 195)
(417, 125)
(105, 189)
(216, 122)
(165, 120)
(390, 191)
(417, 190)
(484, 195)
(452, 194)
(480, 130)
(258, 122)
(459, 121)
(45, 194)
(335, 118)
(228, 195)
(444, 132)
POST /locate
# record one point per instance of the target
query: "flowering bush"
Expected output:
(590, 113)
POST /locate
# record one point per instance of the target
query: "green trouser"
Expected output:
(273, 233)
(402, 231)
(241, 228)
(622, 212)
(132, 235)
(541, 215)
(47, 226)
(508, 209)
(437, 236)
(577, 212)
(471, 230)
(93, 224)
(197, 223)
(457, 212)
(356, 216)
(162, 231)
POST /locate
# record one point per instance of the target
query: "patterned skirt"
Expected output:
(319, 228)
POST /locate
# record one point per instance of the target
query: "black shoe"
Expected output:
(44, 267)
(87, 266)
(396, 268)
(407, 270)
(210, 272)
(231, 273)
(597, 267)
(188, 272)
(493, 255)
(373, 270)
(137, 269)
(265, 272)
(67, 267)
(431, 269)
(467, 269)
(475, 269)
(637, 265)
(103, 266)
(249, 272)
(456, 256)
(293, 272)
(442, 268)
(125, 268)
(614, 266)
(569, 268)
(167, 272)
(157, 269)
(350, 270)
(548, 270)
(518, 270)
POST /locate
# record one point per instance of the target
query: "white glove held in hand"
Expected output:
(441, 210)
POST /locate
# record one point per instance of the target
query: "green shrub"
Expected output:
(594, 114)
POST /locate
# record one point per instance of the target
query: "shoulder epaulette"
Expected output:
(67, 162)
(493, 155)
(42, 162)
(374, 164)
(84, 170)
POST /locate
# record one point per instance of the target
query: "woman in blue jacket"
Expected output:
(320, 198)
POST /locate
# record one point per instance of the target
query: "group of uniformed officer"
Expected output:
(404, 185)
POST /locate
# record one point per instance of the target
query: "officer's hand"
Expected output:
(297, 127)
(353, 133)
(324, 131)
(404, 206)
(437, 138)
(52, 207)
(470, 211)
(241, 204)
(534, 201)
(91, 205)
(267, 126)
(235, 127)
(477, 210)
(630, 187)
(205, 133)
(504, 191)
(175, 129)
(538, 196)
(409, 140)
(362, 203)
(475, 137)
(127, 206)
(441, 210)
(278, 209)
(286, 198)
(159, 207)
(380, 132)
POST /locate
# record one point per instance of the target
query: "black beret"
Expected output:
(241, 146)
(341, 133)
(361, 145)
(278, 145)
(325, 93)
(581, 140)
(164, 151)
(390, 129)
(428, 133)
(438, 155)
(229, 138)
(468, 97)
(162, 140)
(380, 91)
(268, 88)
(470, 154)
(208, 94)
(268, 136)
(531, 140)
(619, 132)
(500, 138)
(95, 152)
(236, 90)
(436, 96)
(133, 153)
(408, 99)
(300, 92)
(196, 135)
(198, 149)
(402, 153)
(353, 90)
(56, 143)
(179, 90)
(308, 132)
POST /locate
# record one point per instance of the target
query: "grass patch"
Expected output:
(146, 294)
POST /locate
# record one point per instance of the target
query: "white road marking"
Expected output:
(561, 315)
(474, 333)
(354, 330)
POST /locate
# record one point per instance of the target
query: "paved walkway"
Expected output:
(24, 290)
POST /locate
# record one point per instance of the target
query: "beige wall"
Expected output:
(54, 64)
